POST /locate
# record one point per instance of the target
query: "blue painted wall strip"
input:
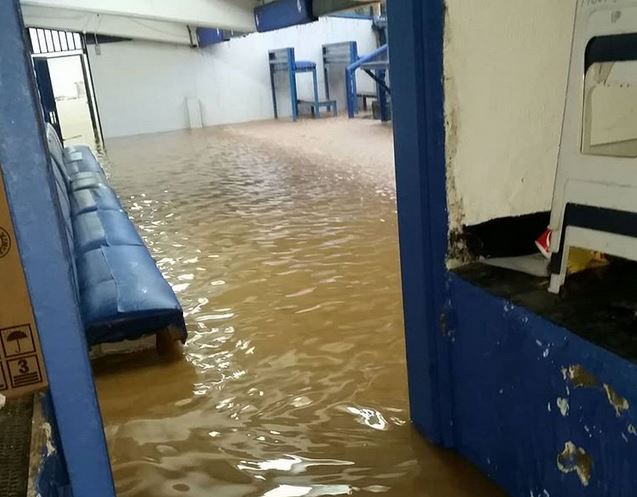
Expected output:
(26, 170)
(433, 12)
(418, 105)
(282, 13)
(381, 53)
(210, 36)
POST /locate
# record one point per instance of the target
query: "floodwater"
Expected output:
(293, 379)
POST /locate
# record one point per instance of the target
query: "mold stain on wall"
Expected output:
(457, 250)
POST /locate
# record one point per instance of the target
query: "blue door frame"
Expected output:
(47, 97)
(419, 135)
(25, 165)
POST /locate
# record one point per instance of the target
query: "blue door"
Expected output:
(45, 89)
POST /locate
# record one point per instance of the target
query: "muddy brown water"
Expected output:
(293, 380)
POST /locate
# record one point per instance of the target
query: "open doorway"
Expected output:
(65, 85)
(71, 99)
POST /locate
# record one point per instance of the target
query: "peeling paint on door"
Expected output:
(575, 459)
(619, 403)
(562, 405)
(579, 377)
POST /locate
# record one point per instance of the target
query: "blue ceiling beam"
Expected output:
(282, 14)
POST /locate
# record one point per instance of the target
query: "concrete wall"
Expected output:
(506, 66)
(142, 87)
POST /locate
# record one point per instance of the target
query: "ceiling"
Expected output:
(156, 20)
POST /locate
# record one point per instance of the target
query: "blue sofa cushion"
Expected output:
(65, 217)
(65, 211)
(55, 146)
(63, 199)
(92, 199)
(86, 168)
(79, 159)
(124, 295)
(84, 179)
(87, 180)
(88, 175)
(305, 65)
(93, 230)
(83, 150)
(78, 153)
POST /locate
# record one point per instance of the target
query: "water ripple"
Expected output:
(293, 379)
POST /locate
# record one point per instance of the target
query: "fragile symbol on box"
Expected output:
(17, 341)
(22, 362)
(24, 371)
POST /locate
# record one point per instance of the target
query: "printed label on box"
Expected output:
(25, 371)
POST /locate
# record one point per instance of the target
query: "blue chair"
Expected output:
(283, 60)
(121, 292)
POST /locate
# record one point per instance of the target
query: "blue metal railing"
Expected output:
(378, 63)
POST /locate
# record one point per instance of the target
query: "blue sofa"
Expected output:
(121, 292)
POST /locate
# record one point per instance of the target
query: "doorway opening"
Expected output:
(65, 84)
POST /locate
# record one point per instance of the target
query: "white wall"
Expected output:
(506, 66)
(66, 74)
(142, 87)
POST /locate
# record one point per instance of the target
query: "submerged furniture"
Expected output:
(364, 96)
(336, 57)
(121, 292)
(284, 61)
(595, 196)
(376, 65)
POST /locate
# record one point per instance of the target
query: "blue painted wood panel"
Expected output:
(419, 143)
(540, 410)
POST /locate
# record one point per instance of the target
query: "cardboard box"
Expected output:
(22, 369)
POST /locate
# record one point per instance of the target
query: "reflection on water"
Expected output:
(293, 379)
